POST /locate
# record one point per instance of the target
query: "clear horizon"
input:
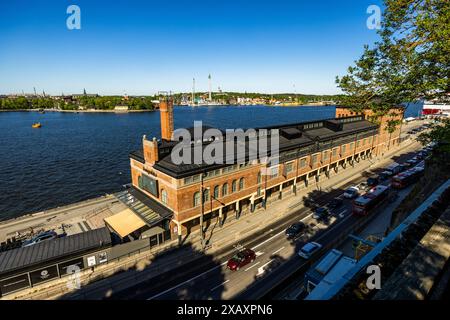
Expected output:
(140, 48)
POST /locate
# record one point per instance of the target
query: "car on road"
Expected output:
(309, 249)
(321, 213)
(295, 229)
(372, 181)
(335, 203)
(413, 161)
(384, 175)
(48, 235)
(406, 165)
(241, 259)
(351, 192)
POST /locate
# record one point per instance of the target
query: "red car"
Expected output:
(240, 259)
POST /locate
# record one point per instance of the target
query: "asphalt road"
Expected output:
(208, 278)
(276, 257)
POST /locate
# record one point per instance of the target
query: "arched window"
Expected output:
(234, 186)
(224, 189)
(164, 196)
(259, 176)
(205, 195)
(196, 199)
(241, 184)
(216, 192)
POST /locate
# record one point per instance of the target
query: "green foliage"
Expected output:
(410, 62)
(439, 133)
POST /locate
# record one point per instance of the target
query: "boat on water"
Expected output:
(36, 125)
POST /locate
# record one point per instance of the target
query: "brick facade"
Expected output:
(179, 196)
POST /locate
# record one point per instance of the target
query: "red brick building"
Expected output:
(308, 151)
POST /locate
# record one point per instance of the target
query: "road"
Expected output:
(275, 253)
(276, 257)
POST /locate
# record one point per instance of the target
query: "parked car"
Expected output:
(372, 182)
(351, 192)
(295, 229)
(407, 165)
(309, 249)
(384, 175)
(413, 161)
(241, 259)
(335, 203)
(320, 213)
(48, 235)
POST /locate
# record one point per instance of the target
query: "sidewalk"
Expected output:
(141, 267)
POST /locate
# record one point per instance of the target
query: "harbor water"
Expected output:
(77, 156)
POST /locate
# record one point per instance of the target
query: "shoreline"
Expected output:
(77, 111)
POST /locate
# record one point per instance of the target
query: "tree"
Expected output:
(439, 134)
(410, 62)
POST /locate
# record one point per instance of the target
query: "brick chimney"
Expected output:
(166, 114)
(151, 152)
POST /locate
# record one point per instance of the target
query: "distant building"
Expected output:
(121, 108)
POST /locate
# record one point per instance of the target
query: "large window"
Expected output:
(216, 192)
(224, 189)
(343, 149)
(234, 186)
(335, 152)
(313, 159)
(289, 167)
(325, 155)
(196, 199)
(205, 195)
(164, 196)
(241, 184)
(259, 177)
(302, 163)
(148, 184)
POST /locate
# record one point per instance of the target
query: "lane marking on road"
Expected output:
(260, 244)
(342, 214)
(184, 282)
(261, 269)
(276, 251)
(219, 285)
(309, 215)
(259, 253)
(252, 266)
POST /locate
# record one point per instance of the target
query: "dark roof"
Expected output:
(157, 211)
(291, 136)
(52, 250)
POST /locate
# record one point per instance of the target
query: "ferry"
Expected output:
(36, 125)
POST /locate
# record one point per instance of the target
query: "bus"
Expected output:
(404, 179)
(363, 204)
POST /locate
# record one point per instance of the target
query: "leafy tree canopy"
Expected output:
(411, 61)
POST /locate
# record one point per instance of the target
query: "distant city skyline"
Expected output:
(140, 48)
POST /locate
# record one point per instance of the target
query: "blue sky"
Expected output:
(141, 47)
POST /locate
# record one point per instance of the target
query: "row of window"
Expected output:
(216, 172)
(314, 160)
(236, 185)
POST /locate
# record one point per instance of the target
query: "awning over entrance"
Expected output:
(149, 210)
(124, 222)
